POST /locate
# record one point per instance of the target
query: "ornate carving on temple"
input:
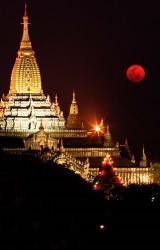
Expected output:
(40, 140)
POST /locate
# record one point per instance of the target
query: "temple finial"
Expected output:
(107, 137)
(73, 106)
(143, 161)
(56, 99)
(41, 125)
(143, 154)
(25, 10)
(133, 159)
(56, 106)
(74, 97)
(25, 42)
(101, 124)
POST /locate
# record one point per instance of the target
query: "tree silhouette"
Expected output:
(45, 206)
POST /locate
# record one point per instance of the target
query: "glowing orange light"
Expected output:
(107, 160)
(97, 128)
(96, 186)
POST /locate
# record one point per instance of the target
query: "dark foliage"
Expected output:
(44, 206)
(135, 215)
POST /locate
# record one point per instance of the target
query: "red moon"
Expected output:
(135, 73)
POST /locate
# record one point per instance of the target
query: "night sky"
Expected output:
(87, 46)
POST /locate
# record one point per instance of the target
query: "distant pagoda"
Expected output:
(26, 105)
(73, 119)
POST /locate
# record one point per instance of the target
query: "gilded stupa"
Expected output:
(73, 119)
(26, 104)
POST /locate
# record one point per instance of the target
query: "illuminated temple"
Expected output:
(26, 104)
(29, 114)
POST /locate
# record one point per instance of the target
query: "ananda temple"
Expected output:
(31, 121)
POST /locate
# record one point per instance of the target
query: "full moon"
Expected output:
(135, 73)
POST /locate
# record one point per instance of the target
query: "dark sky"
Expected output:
(87, 46)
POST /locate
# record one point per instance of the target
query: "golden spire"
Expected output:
(127, 148)
(143, 161)
(108, 136)
(25, 42)
(57, 108)
(74, 97)
(144, 158)
(25, 77)
(56, 100)
(101, 124)
(25, 9)
(133, 159)
(74, 106)
(41, 125)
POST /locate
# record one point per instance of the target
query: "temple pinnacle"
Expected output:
(144, 158)
(25, 42)
(74, 106)
(74, 97)
(25, 11)
(25, 77)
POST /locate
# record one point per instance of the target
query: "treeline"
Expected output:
(46, 206)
